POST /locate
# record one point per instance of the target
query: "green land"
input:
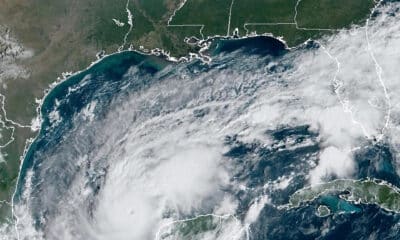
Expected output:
(323, 211)
(66, 36)
(196, 228)
(357, 191)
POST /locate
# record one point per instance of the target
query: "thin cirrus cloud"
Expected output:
(165, 163)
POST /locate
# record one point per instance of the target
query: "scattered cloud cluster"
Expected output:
(11, 52)
(160, 154)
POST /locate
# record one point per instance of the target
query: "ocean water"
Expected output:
(135, 144)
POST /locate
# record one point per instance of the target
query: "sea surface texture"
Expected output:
(137, 147)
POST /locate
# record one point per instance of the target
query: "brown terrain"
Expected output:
(41, 39)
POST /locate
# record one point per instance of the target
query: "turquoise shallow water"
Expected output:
(336, 204)
(111, 69)
(52, 165)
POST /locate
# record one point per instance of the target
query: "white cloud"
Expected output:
(165, 163)
(332, 161)
(255, 209)
(88, 111)
(9, 69)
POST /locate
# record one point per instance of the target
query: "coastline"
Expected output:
(160, 54)
(67, 77)
(163, 55)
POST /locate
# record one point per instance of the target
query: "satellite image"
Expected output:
(199, 119)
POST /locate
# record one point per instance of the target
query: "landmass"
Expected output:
(370, 191)
(197, 228)
(42, 39)
(323, 211)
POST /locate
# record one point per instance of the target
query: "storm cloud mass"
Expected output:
(130, 151)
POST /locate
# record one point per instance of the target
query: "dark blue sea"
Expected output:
(109, 110)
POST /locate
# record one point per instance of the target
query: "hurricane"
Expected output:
(139, 147)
